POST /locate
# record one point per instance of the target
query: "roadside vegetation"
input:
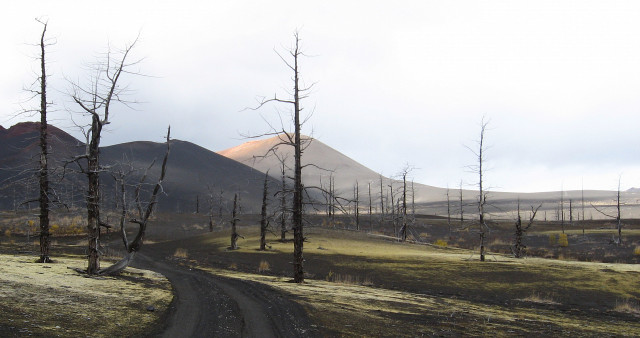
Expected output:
(53, 300)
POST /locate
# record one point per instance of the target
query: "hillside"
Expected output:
(193, 172)
(323, 161)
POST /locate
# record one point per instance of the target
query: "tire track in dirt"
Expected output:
(207, 305)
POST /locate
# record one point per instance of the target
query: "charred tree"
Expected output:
(144, 212)
(519, 248)
(370, 209)
(263, 220)
(482, 194)
(96, 100)
(234, 220)
(44, 199)
(617, 217)
(448, 212)
(283, 201)
(295, 140)
(356, 200)
(461, 205)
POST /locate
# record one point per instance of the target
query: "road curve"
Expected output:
(207, 305)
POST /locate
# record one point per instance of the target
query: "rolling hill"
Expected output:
(193, 172)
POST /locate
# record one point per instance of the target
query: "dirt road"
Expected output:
(207, 305)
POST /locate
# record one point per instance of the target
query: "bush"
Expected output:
(441, 243)
(264, 266)
(553, 240)
(563, 241)
(636, 251)
(181, 253)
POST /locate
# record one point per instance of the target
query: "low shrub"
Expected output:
(636, 251)
(553, 240)
(627, 306)
(441, 243)
(264, 266)
(181, 253)
(563, 241)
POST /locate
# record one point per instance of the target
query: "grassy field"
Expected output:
(362, 285)
(53, 300)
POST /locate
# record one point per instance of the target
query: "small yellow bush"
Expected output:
(181, 253)
(7, 233)
(441, 243)
(636, 251)
(553, 240)
(563, 241)
(264, 266)
(55, 228)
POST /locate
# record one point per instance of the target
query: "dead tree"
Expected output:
(482, 194)
(402, 212)
(294, 140)
(393, 211)
(448, 211)
(617, 217)
(561, 211)
(356, 199)
(96, 100)
(461, 205)
(582, 201)
(519, 248)
(370, 209)
(283, 198)
(381, 203)
(210, 200)
(144, 212)
(264, 223)
(44, 198)
(234, 220)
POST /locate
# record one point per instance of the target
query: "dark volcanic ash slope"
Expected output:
(192, 171)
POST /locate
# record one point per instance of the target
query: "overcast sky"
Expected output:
(397, 83)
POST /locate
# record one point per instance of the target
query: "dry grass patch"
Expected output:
(181, 253)
(52, 300)
(627, 306)
(538, 298)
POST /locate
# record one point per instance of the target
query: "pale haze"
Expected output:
(407, 82)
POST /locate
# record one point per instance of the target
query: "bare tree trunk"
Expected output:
(370, 209)
(298, 235)
(234, 232)
(143, 213)
(93, 197)
(283, 206)
(404, 206)
(461, 205)
(449, 212)
(44, 199)
(393, 211)
(263, 220)
(356, 198)
(482, 195)
(582, 198)
(618, 218)
(381, 203)
(561, 213)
